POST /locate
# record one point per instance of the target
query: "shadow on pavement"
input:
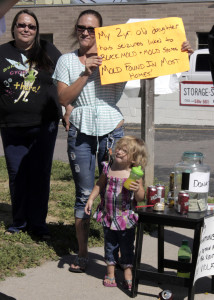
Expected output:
(5, 297)
(173, 237)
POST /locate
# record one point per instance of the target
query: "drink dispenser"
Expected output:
(192, 176)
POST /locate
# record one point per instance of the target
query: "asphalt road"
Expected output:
(170, 143)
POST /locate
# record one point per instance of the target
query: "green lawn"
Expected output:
(20, 251)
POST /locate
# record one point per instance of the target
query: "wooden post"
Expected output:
(147, 126)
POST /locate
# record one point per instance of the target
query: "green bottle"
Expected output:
(184, 255)
(136, 173)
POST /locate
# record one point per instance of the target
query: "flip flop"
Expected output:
(127, 284)
(10, 231)
(81, 264)
(76, 270)
(111, 283)
(13, 229)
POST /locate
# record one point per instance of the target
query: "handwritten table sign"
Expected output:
(205, 261)
(141, 50)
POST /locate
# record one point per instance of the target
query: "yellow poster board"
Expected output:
(141, 50)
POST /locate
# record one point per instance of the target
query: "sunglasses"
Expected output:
(81, 29)
(23, 25)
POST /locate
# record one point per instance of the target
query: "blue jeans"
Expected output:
(29, 153)
(115, 240)
(82, 157)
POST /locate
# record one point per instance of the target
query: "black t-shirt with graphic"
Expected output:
(27, 97)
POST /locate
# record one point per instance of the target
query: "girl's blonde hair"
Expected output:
(136, 150)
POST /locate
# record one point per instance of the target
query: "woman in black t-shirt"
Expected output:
(29, 116)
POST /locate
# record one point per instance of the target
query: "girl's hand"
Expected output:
(186, 47)
(134, 186)
(92, 63)
(137, 188)
(88, 207)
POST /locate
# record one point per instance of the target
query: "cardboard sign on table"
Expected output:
(141, 50)
(205, 261)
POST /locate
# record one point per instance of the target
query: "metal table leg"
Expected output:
(137, 259)
(160, 248)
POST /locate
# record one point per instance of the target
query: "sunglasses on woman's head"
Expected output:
(81, 29)
(23, 25)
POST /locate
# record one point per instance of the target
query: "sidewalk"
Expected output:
(53, 281)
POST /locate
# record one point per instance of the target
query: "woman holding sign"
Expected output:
(95, 122)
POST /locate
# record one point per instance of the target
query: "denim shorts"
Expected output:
(115, 240)
(82, 157)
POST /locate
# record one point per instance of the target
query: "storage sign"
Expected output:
(197, 93)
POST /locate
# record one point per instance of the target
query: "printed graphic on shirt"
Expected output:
(29, 76)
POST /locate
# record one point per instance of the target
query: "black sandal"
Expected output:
(81, 263)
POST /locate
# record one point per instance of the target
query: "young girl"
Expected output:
(116, 210)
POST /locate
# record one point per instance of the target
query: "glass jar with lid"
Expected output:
(192, 176)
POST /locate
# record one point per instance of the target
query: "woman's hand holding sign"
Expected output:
(186, 47)
(92, 63)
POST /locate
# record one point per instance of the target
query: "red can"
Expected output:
(160, 193)
(151, 195)
(183, 202)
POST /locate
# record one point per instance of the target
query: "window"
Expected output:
(47, 37)
(202, 40)
(202, 63)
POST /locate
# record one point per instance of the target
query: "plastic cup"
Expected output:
(135, 174)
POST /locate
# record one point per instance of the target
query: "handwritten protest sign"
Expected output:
(141, 50)
(205, 262)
